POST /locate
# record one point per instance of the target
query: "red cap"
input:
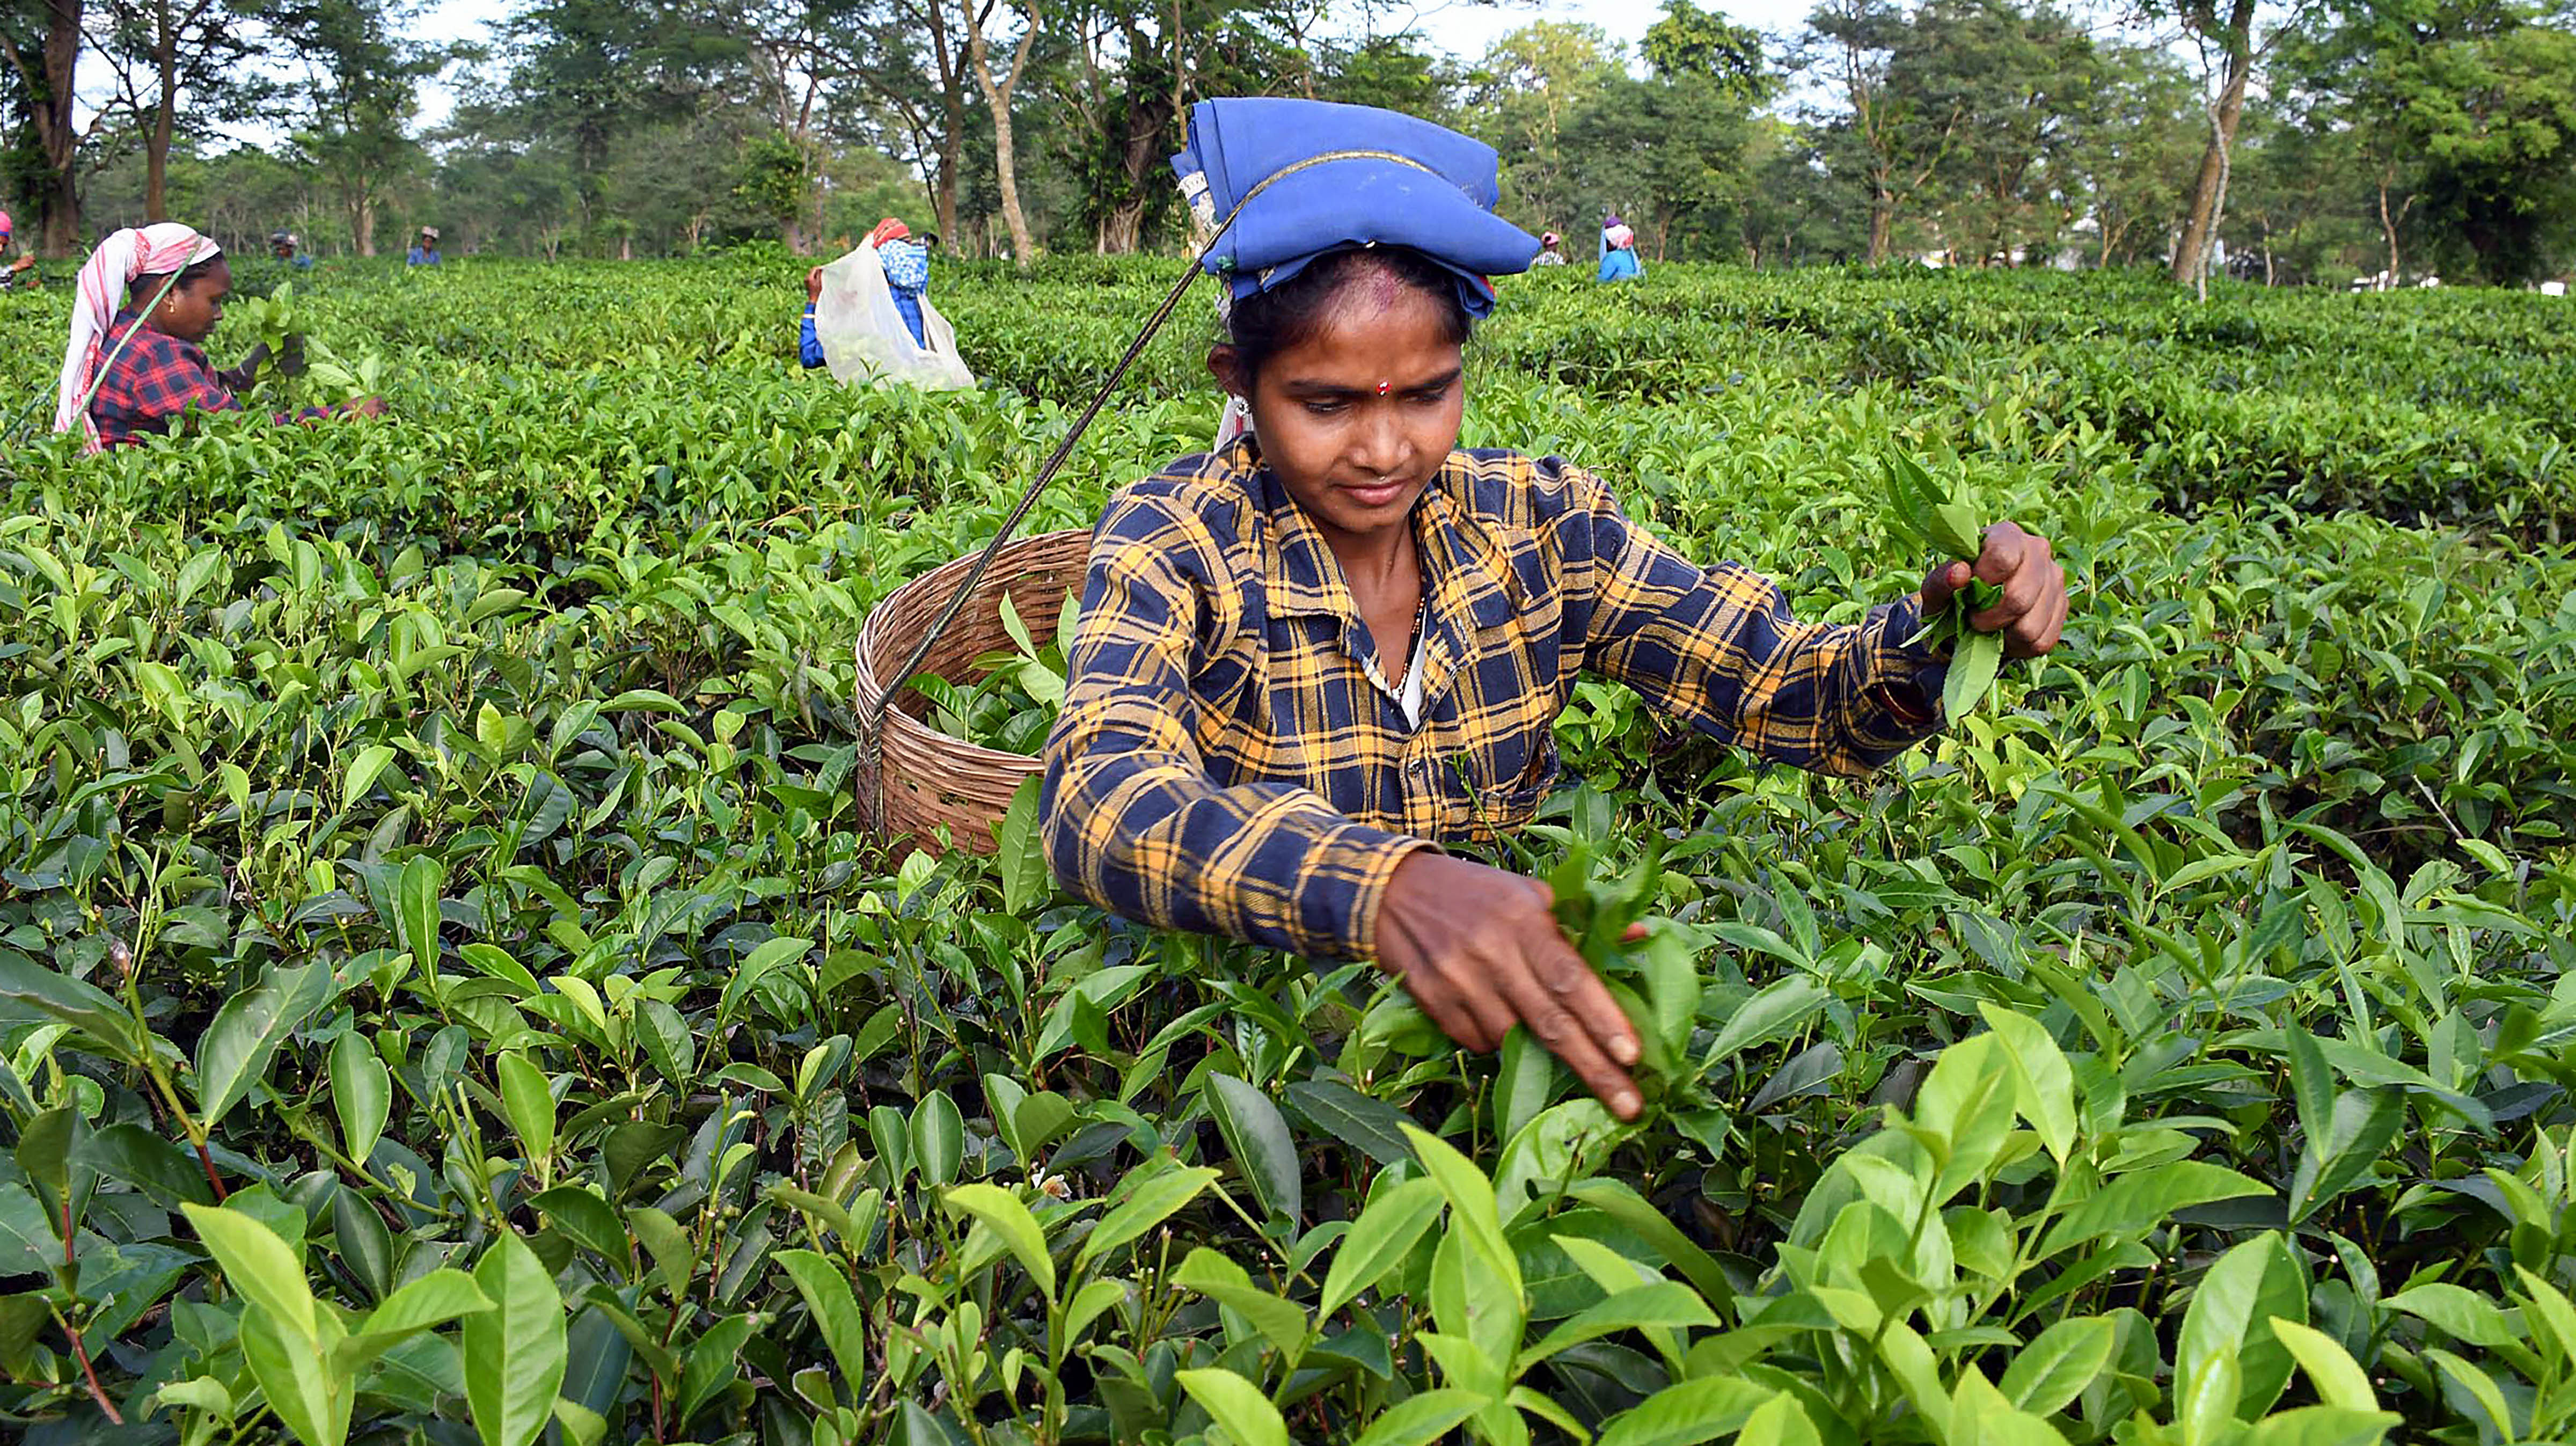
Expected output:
(889, 229)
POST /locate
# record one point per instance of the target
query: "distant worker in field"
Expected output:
(1309, 660)
(906, 264)
(1619, 255)
(868, 315)
(19, 269)
(286, 246)
(136, 361)
(424, 251)
(1549, 250)
(907, 271)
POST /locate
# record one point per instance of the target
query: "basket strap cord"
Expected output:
(872, 723)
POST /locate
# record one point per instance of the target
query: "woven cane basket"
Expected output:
(926, 779)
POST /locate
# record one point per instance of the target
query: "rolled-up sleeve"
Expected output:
(1133, 820)
(1719, 647)
(809, 347)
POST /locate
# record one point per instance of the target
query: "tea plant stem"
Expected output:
(188, 1125)
(2426, 789)
(302, 1125)
(80, 1352)
(2029, 1238)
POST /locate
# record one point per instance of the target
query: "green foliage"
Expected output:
(1921, 509)
(444, 991)
(1012, 701)
(271, 319)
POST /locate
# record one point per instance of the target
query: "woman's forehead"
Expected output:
(1366, 332)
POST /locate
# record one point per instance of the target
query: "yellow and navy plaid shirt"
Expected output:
(1228, 762)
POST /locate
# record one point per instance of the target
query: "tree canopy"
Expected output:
(2376, 139)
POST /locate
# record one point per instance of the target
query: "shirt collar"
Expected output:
(1301, 575)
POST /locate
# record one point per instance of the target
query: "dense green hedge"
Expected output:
(433, 840)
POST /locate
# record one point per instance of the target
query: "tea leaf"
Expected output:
(263, 1269)
(1156, 1192)
(2057, 1365)
(1421, 1420)
(1384, 1234)
(37, 992)
(997, 1210)
(826, 1292)
(1368, 1125)
(1258, 1137)
(1974, 662)
(514, 1353)
(362, 1093)
(1689, 1412)
(1236, 1405)
(531, 1106)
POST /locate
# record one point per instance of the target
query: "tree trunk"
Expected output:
(1122, 227)
(2217, 218)
(1882, 218)
(2191, 253)
(1140, 155)
(997, 96)
(362, 220)
(821, 193)
(156, 148)
(2388, 229)
(952, 106)
(49, 80)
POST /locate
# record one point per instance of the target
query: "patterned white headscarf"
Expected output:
(104, 280)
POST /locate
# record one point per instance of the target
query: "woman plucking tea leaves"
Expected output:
(1307, 660)
(135, 362)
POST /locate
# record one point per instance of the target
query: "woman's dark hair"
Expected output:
(1267, 323)
(148, 285)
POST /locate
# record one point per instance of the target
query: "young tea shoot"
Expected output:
(1923, 512)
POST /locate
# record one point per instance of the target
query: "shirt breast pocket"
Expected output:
(1497, 793)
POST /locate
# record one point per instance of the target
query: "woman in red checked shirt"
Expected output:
(147, 301)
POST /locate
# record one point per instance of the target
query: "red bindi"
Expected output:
(1385, 387)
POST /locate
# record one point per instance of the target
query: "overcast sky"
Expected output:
(1461, 27)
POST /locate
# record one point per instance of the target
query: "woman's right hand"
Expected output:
(362, 407)
(814, 284)
(1479, 951)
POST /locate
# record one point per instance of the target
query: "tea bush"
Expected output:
(446, 995)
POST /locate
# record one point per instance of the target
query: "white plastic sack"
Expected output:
(865, 339)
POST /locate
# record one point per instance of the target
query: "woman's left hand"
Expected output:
(242, 378)
(2032, 611)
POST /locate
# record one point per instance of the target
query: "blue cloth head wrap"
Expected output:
(1340, 176)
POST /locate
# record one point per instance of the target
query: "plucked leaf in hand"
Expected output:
(1974, 662)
